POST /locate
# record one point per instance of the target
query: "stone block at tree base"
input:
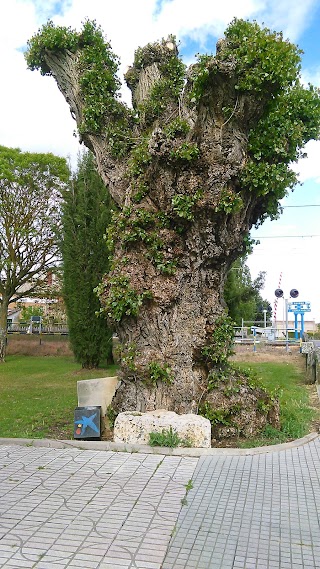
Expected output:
(133, 427)
(98, 391)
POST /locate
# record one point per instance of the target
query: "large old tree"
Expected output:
(203, 155)
(30, 186)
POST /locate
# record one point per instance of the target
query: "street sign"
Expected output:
(298, 307)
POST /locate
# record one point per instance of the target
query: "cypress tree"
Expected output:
(86, 213)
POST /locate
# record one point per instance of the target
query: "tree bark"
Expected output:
(3, 328)
(173, 331)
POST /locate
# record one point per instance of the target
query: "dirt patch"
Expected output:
(34, 346)
(60, 430)
(272, 354)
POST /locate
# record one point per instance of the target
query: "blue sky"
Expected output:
(35, 117)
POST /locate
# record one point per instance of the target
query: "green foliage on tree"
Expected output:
(52, 313)
(30, 191)
(98, 67)
(242, 294)
(266, 68)
(28, 311)
(86, 214)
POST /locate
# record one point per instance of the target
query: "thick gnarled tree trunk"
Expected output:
(171, 329)
(182, 221)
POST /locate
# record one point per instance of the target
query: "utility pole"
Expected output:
(265, 318)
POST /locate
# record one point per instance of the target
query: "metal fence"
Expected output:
(36, 328)
(257, 333)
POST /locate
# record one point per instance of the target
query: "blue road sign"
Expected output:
(299, 307)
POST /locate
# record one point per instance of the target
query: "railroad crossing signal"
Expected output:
(294, 293)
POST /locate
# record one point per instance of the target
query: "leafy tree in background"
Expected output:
(28, 311)
(86, 214)
(30, 190)
(263, 304)
(204, 155)
(242, 295)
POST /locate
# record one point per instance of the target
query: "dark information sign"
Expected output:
(87, 423)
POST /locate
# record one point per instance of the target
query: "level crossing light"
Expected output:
(294, 293)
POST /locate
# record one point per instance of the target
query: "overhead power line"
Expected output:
(303, 205)
(258, 237)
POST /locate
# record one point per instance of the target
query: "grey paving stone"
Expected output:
(266, 502)
(73, 508)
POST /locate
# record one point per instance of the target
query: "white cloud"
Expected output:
(290, 17)
(30, 108)
(309, 168)
(204, 18)
(312, 77)
(295, 260)
(34, 115)
(14, 30)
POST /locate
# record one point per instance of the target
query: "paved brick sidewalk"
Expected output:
(95, 509)
(251, 512)
(85, 509)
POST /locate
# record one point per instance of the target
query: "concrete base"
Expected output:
(97, 392)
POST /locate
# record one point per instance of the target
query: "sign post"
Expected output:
(299, 308)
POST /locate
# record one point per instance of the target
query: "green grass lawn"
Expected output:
(296, 410)
(38, 395)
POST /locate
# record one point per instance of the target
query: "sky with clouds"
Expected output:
(35, 116)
